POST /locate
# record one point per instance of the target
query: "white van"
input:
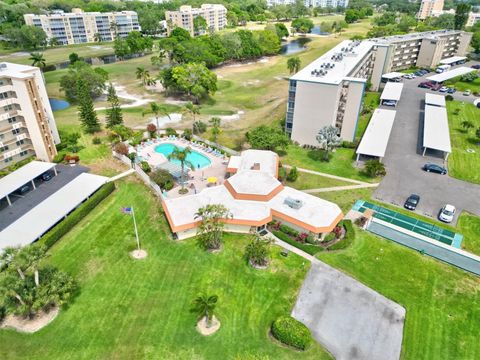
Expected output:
(443, 68)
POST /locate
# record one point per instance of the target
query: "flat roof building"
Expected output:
(435, 100)
(375, 140)
(80, 27)
(447, 75)
(254, 197)
(392, 92)
(27, 125)
(429, 8)
(329, 91)
(215, 16)
(436, 134)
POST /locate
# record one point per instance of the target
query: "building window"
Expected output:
(23, 153)
(4, 148)
(12, 120)
(15, 131)
(20, 142)
(7, 160)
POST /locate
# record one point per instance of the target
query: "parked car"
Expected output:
(443, 89)
(412, 202)
(389, 103)
(418, 73)
(410, 76)
(23, 190)
(451, 90)
(476, 66)
(424, 85)
(447, 213)
(429, 167)
(46, 176)
(436, 87)
(467, 92)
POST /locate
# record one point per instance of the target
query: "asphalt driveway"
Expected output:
(350, 320)
(404, 161)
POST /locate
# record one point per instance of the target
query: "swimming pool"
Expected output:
(198, 160)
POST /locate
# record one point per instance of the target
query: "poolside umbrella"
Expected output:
(212, 180)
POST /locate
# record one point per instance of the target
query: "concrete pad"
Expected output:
(350, 320)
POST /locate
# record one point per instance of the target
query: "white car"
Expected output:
(409, 76)
(443, 89)
(447, 213)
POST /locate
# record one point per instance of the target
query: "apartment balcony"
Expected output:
(7, 127)
(8, 101)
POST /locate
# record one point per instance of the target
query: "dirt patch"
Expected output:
(107, 167)
(27, 325)
(205, 330)
(138, 254)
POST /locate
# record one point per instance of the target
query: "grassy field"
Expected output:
(474, 86)
(442, 302)
(312, 181)
(60, 54)
(371, 99)
(346, 198)
(469, 226)
(462, 164)
(131, 309)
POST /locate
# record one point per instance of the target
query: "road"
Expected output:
(404, 161)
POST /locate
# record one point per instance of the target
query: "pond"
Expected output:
(294, 46)
(58, 104)
(98, 60)
(318, 31)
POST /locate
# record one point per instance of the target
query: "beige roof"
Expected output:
(267, 161)
(436, 134)
(253, 182)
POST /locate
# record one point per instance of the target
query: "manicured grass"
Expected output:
(474, 85)
(461, 164)
(129, 309)
(346, 198)
(341, 163)
(312, 181)
(442, 302)
(469, 226)
(371, 99)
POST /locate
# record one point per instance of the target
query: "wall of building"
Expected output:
(379, 67)
(430, 53)
(239, 229)
(352, 109)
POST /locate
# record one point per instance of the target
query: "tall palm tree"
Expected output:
(144, 75)
(38, 60)
(191, 109)
(293, 64)
(204, 305)
(181, 155)
(157, 110)
(215, 122)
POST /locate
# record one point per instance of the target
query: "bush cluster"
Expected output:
(309, 249)
(291, 332)
(78, 214)
(348, 239)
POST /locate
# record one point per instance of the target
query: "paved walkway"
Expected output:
(351, 320)
(119, 176)
(340, 188)
(328, 175)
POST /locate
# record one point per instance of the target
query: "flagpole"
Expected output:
(135, 226)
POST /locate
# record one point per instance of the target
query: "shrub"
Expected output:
(96, 140)
(59, 157)
(449, 97)
(329, 237)
(291, 332)
(309, 249)
(121, 148)
(152, 129)
(375, 168)
(348, 239)
(51, 237)
(288, 230)
(170, 132)
(292, 174)
(349, 144)
(163, 178)
(187, 134)
(145, 166)
(282, 174)
(137, 138)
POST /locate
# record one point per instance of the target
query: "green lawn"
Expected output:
(474, 86)
(129, 309)
(341, 163)
(469, 226)
(312, 181)
(462, 164)
(442, 302)
(346, 198)
(371, 99)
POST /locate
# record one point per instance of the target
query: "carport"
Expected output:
(453, 60)
(447, 75)
(26, 174)
(375, 140)
(392, 75)
(391, 92)
(436, 134)
(435, 100)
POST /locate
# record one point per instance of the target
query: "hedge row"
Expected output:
(309, 249)
(50, 238)
(291, 332)
(348, 239)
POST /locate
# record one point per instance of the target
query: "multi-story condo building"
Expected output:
(311, 3)
(214, 14)
(27, 126)
(329, 91)
(430, 8)
(83, 27)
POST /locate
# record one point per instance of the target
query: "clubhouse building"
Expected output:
(254, 196)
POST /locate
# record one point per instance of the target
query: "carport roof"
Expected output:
(447, 75)
(375, 140)
(435, 129)
(26, 173)
(392, 91)
(452, 60)
(435, 99)
(45, 215)
(393, 75)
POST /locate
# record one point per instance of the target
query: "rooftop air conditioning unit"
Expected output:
(293, 203)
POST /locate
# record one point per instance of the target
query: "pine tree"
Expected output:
(88, 116)
(114, 113)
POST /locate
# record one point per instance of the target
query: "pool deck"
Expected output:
(198, 178)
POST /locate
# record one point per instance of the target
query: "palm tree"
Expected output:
(191, 109)
(215, 122)
(204, 306)
(38, 60)
(467, 125)
(144, 75)
(157, 110)
(293, 64)
(210, 229)
(182, 155)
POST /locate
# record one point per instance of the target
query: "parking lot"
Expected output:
(404, 161)
(23, 203)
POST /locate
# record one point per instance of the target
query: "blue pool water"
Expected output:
(198, 160)
(58, 104)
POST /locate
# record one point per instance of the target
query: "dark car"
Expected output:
(419, 73)
(412, 202)
(22, 190)
(46, 176)
(436, 87)
(451, 90)
(424, 85)
(476, 66)
(435, 168)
